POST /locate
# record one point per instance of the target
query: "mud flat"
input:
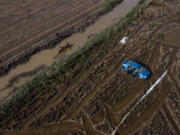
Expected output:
(34, 25)
(47, 57)
(92, 94)
(31, 38)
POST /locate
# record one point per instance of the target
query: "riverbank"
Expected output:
(66, 70)
(89, 93)
(47, 57)
(51, 40)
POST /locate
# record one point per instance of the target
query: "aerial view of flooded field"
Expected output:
(90, 67)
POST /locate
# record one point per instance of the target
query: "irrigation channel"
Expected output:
(141, 99)
(45, 58)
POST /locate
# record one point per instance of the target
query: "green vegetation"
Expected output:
(161, 36)
(109, 5)
(58, 72)
(178, 13)
(66, 68)
(138, 9)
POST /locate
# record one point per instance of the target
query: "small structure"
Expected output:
(123, 40)
(65, 48)
(135, 69)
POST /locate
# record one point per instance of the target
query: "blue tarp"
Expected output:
(136, 69)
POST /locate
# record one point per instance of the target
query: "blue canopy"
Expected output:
(135, 69)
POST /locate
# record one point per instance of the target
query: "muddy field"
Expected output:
(100, 95)
(29, 26)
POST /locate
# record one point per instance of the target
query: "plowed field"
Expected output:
(100, 95)
(29, 26)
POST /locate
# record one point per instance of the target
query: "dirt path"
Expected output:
(94, 91)
(90, 130)
(171, 72)
(133, 125)
(171, 118)
(64, 129)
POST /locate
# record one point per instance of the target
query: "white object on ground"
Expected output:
(123, 40)
(147, 92)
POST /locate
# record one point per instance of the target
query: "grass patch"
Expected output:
(177, 13)
(138, 9)
(110, 4)
(160, 36)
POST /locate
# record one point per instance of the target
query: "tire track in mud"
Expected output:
(174, 81)
(133, 125)
(97, 88)
(157, 102)
(120, 105)
(70, 13)
(155, 55)
(60, 97)
(171, 46)
(58, 4)
(140, 84)
(63, 128)
(172, 60)
(73, 9)
(153, 67)
(127, 100)
(88, 125)
(110, 113)
(100, 116)
(112, 117)
(62, 26)
(132, 106)
(75, 83)
(170, 118)
(143, 117)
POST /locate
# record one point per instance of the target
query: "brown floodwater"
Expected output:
(47, 57)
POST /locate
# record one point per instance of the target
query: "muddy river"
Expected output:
(41, 60)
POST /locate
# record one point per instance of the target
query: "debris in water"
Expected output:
(123, 40)
(65, 48)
